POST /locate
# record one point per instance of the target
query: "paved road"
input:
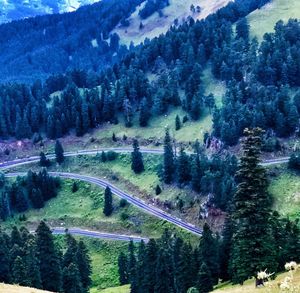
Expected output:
(99, 235)
(34, 159)
(130, 198)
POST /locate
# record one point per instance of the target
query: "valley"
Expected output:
(168, 147)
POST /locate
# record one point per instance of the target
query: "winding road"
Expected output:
(98, 235)
(103, 184)
(35, 159)
(130, 198)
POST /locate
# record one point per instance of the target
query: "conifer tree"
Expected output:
(71, 279)
(169, 166)
(158, 190)
(144, 113)
(4, 259)
(163, 278)
(32, 266)
(123, 269)
(48, 257)
(19, 272)
(183, 167)
(151, 264)
(253, 245)
(84, 266)
(204, 280)
(208, 252)
(44, 162)
(59, 152)
(137, 164)
(108, 207)
(177, 123)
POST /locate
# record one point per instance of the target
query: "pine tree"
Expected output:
(208, 252)
(177, 123)
(123, 269)
(137, 164)
(183, 168)
(44, 162)
(169, 166)
(163, 278)
(151, 264)
(48, 257)
(144, 113)
(71, 279)
(253, 245)
(132, 268)
(204, 280)
(84, 266)
(4, 259)
(19, 272)
(59, 152)
(108, 207)
(158, 190)
(32, 265)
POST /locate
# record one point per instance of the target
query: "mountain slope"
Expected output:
(160, 22)
(14, 9)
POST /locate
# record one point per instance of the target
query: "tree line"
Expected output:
(35, 260)
(177, 58)
(30, 191)
(254, 239)
(49, 44)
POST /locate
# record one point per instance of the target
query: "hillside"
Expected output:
(249, 286)
(157, 24)
(4, 288)
(15, 10)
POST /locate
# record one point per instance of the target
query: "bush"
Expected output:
(123, 203)
(294, 162)
(124, 216)
(111, 155)
(75, 187)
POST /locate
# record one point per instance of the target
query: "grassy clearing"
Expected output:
(84, 209)
(121, 289)
(264, 20)
(155, 25)
(18, 289)
(286, 191)
(214, 86)
(249, 286)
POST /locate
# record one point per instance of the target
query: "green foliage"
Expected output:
(108, 207)
(59, 152)
(137, 164)
(253, 246)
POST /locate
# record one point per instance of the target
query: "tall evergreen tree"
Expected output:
(137, 164)
(71, 279)
(108, 206)
(123, 269)
(19, 275)
(4, 259)
(48, 257)
(44, 162)
(253, 245)
(208, 252)
(169, 165)
(84, 266)
(204, 281)
(59, 152)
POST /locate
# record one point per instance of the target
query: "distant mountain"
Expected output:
(19, 9)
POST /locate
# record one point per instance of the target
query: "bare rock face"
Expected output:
(18, 9)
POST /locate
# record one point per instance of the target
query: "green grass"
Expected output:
(286, 191)
(214, 86)
(121, 289)
(264, 20)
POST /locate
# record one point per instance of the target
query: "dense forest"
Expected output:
(36, 47)
(30, 191)
(178, 59)
(35, 260)
(254, 239)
